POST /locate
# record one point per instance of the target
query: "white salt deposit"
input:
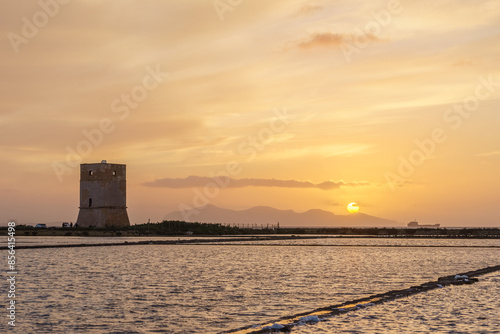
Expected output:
(460, 277)
(275, 326)
(309, 318)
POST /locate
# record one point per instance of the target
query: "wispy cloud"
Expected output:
(489, 154)
(327, 39)
(308, 9)
(408, 184)
(203, 181)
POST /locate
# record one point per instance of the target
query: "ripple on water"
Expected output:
(206, 289)
(453, 309)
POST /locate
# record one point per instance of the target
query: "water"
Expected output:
(212, 288)
(331, 241)
(382, 242)
(69, 240)
(453, 309)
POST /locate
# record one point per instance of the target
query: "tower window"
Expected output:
(114, 173)
(90, 202)
(91, 172)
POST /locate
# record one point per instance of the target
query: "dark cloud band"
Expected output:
(228, 182)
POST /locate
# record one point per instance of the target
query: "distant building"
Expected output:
(103, 200)
(416, 224)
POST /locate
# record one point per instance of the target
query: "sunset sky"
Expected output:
(394, 105)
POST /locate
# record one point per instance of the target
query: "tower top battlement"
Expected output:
(101, 171)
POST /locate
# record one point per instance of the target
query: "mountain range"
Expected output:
(263, 215)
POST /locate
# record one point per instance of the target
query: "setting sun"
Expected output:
(213, 117)
(353, 207)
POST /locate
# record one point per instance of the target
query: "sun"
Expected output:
(353, 207)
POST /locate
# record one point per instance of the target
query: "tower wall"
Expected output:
(103, 195)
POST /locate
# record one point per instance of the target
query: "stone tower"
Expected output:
(103, 195)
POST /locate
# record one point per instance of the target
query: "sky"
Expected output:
(292, 104)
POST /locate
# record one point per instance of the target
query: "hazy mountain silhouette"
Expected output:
(287, 218)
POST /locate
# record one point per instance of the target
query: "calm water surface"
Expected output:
(64, 240)
(211, 288)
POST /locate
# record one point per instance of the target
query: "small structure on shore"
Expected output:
(416, 224)
(103, 200)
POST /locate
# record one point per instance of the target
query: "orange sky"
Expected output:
(305, 104)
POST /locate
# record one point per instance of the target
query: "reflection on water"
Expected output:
(64, 240)
(303, 240)
(210, 288)
(399, 242)
(454, 309)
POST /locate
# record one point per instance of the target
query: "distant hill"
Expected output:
(287, 218)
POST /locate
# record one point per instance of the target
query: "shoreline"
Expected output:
(230, 241)
(184, 229)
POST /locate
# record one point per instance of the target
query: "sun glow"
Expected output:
(353, 207)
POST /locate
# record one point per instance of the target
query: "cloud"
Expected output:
(489, 154)
(407, 184)
(466, 62)
(308, 9)
(227, 182)
(326, 39)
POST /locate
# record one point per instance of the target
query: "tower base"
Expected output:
(103, 217)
